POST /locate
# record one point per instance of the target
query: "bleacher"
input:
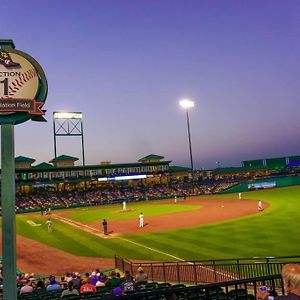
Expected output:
(232, 290)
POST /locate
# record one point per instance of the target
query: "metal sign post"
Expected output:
(23, 91)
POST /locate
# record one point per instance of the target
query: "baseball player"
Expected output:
(260, 206)
(124, 205)
(141, 217)
(175, 199)
(240, 196)
(49, 225)
(105, 227)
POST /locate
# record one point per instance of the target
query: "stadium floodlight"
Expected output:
(67, 115)
(187, 104)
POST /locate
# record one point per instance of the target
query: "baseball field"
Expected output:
(204, 227)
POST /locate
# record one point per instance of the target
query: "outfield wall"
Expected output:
(280, 182)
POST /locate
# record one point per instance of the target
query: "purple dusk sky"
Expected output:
(126, 64)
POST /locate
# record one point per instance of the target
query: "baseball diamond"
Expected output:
(216, 226)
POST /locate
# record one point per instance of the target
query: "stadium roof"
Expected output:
(43, 165)
(24, 159)
(178, 169)
(64, 158)
(151, 157)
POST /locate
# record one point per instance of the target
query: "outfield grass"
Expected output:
(274, 232)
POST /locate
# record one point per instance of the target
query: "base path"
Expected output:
(212, 210)
(33, 256)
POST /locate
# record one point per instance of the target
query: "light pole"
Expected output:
(187, 104)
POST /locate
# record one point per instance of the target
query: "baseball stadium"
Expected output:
(210, 234)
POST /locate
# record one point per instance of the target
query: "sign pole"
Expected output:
(23, 91)
(8, 212)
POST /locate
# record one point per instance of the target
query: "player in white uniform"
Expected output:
(49, 225)
(260, 206)
(175, 199)
(124, 205)
(240, 196)
(141, 217)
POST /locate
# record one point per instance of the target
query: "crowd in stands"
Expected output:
(89, 283)
(42, 198)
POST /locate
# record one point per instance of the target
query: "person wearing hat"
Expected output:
(141, 276)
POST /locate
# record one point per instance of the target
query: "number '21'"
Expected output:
(5, 82)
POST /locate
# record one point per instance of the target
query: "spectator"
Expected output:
(128, 285)
(76, 280)
(53, 285)
(114, 281)
(94, 278)
(291, 278)
(27, 288)
(87, 287)
(141, 276)
(70, 290)
(117, 291)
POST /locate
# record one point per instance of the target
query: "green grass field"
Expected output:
(274, 232)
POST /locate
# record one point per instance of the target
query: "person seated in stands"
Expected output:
(117, 292)
(70, 290)
(87, 276)
(68, 277)
(291, 279)
(53, 285)
(141, 276)
(114, 281)
(128, 285)
(63, 282)
(40, 285)
(27, 288)
(76, 277)
(87, 287)
(94, 278)
(102, 278)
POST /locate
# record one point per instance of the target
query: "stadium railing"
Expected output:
(208, 271)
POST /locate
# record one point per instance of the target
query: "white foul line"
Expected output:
(95, 232)
(152, 249)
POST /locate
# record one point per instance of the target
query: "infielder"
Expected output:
(141, 217)
(49, 225)
(260, 206)
(240, 196)
(124, 205)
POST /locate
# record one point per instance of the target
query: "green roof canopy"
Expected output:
(24, 159)
(150, 157)
(178, 169)
(43, 165)
(64, 158)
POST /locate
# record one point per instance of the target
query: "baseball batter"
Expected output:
(141, 218)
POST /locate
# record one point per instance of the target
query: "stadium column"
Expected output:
(8, 212)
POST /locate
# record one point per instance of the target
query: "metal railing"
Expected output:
(244, 289)
(208, 271)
